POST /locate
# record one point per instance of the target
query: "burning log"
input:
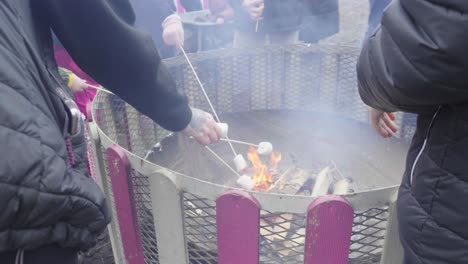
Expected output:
(292, 181)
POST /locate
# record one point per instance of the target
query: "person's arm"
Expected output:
(101, 38)
(417, 60)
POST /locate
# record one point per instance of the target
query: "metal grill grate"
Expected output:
(368, 234)
(200, 229)
(282, 238)
(142, 199)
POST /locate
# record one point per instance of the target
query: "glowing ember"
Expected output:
(259, 170)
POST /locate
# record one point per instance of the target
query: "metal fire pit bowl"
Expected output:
(174, 203)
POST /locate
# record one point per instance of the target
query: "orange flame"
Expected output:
(260, 173)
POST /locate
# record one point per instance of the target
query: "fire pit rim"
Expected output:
(273, 202)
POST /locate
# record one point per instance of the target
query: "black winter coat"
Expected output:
(46, 195)
(278, 16)
(418, 62)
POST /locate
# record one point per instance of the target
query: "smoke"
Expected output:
(320, 20)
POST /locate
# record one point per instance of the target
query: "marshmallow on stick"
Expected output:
(322, 183)
(240, 163)
(264, 148)
(224, 129)
(246, 182)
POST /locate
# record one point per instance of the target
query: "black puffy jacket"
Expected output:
(46, 195)
(418, 62)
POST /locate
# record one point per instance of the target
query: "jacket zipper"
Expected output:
(421, 151)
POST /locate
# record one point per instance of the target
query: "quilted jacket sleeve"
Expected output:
(418, 59)
(101, 38)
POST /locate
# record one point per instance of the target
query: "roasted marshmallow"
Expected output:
(265, 148)
(246, 182)
(240, 163)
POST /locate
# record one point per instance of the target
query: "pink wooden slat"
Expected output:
(328, 231)
(119, 166)
(238, 223)
(89, 111)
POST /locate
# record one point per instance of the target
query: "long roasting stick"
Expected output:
(205, 94)
(99, 88)
(239, 142)
(222, 161)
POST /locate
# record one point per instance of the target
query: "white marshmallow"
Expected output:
(265, 148)
(240, 162)
(246, 182)
(224, 129)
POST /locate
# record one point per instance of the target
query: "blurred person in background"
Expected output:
(266, 21)
(52, 209)
(191, 5)
(376, 9)
(417, 62)
(320, 19)
(160, 19)
(221, 11)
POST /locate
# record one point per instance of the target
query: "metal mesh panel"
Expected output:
(200, 229)
(368, 234)
(282, 238)
(142, 200)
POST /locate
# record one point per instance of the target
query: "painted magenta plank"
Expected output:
(238, 224)
(328, 231)
(89, 111)
(119, 170)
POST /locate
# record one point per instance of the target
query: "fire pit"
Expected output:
(171, 197)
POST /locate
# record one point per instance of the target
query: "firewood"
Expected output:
(322, 183)
(296, 182)
(281, 180)
(341, 187)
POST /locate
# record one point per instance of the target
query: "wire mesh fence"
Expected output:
(200, 229)
(368, 235)
(282, 238)
(305, 78)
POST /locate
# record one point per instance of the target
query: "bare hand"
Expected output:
(254, 8)
(383, 123)
(173, 31)
(203, 128)
(78, 84)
